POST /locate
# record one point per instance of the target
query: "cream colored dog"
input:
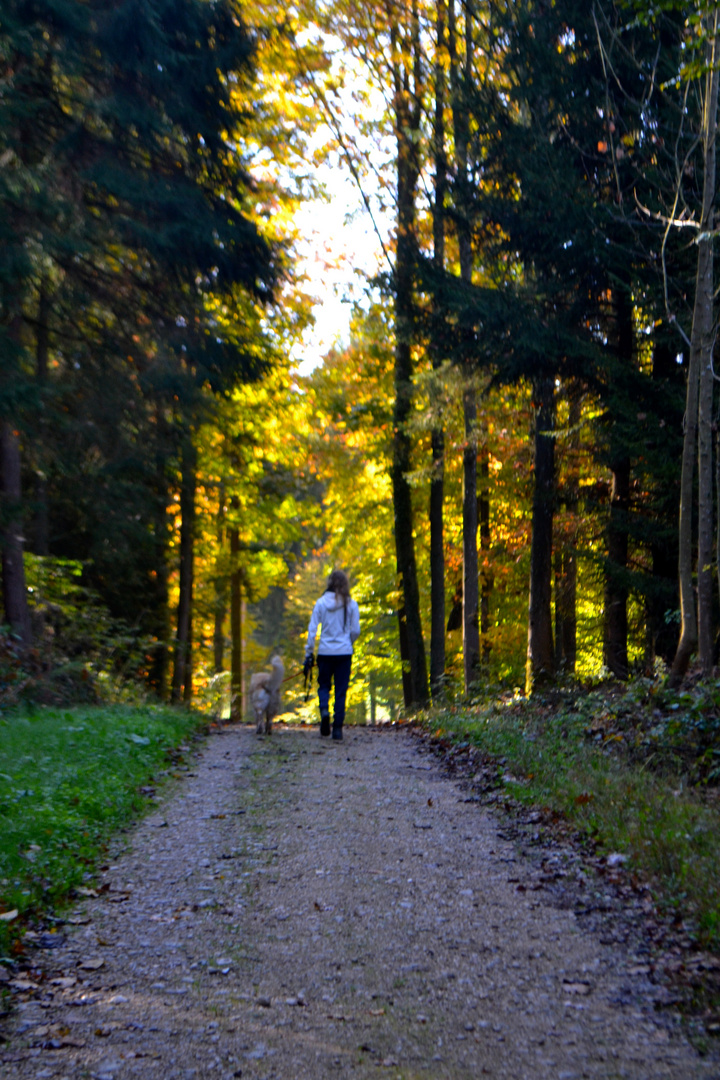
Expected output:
(265, 695)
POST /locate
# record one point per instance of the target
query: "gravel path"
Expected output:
(301, 909)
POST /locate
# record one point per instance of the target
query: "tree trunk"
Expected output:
(460, 77)
(189, 660)
(661, 631)
(42, 353)
(17, 613)
(220, 587)
(182, 670)
(700, 360)
(616, 590)
(486, 577)
(565, 559)
(407, 121)
(615, 628)
(160, 624)
(471, 595)
(237, 704)
(559, 638)
(437, 480)
(706, 644)
(372, 690)
(540, 653)
(407, 683)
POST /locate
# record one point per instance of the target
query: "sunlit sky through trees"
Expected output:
(340, 250)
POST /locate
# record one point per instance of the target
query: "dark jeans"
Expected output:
(337, 668)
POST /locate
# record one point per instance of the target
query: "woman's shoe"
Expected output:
(337, 732)
(324, 723)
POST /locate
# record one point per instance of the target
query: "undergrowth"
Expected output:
(69, 779)
(634, 769)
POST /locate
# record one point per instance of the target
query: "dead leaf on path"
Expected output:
(339, 1016)
(79, 920)
(377, 1012)
(83, 890)
(639, 969)
(390, 1063)
(218, 817)
(92, 964)
(8, 916)
(65, 982)
(23, 984)
(576, 988)
(318, 907)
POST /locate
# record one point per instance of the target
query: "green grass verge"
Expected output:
(69, 779)
(551, 756)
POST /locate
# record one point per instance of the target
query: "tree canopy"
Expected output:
(512, 451)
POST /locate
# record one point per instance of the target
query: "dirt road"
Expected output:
(302, 909)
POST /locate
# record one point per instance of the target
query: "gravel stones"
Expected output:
(308, 910)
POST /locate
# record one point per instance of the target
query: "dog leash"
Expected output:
(308, 680)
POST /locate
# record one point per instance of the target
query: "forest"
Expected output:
(514, 452)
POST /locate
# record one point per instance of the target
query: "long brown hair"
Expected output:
(338, 583)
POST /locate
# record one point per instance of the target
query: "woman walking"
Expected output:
(338, 617)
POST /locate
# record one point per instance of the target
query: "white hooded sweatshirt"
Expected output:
(339, 628)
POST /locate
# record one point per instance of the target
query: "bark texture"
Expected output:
(540, 654)
(17, 613)
(460, 79)
(616, 590)
(437, 480)
(182, 669)
(237, 704)
(486, 576)
(700, 361)
(220, 589)
(615, 623)
(406, 72)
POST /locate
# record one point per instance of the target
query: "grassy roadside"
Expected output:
(69, 779)
(632, 769)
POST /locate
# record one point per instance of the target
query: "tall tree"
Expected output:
(408, 86)
(437, 348)
(540, 653)
(461, 75)
(697, 628)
